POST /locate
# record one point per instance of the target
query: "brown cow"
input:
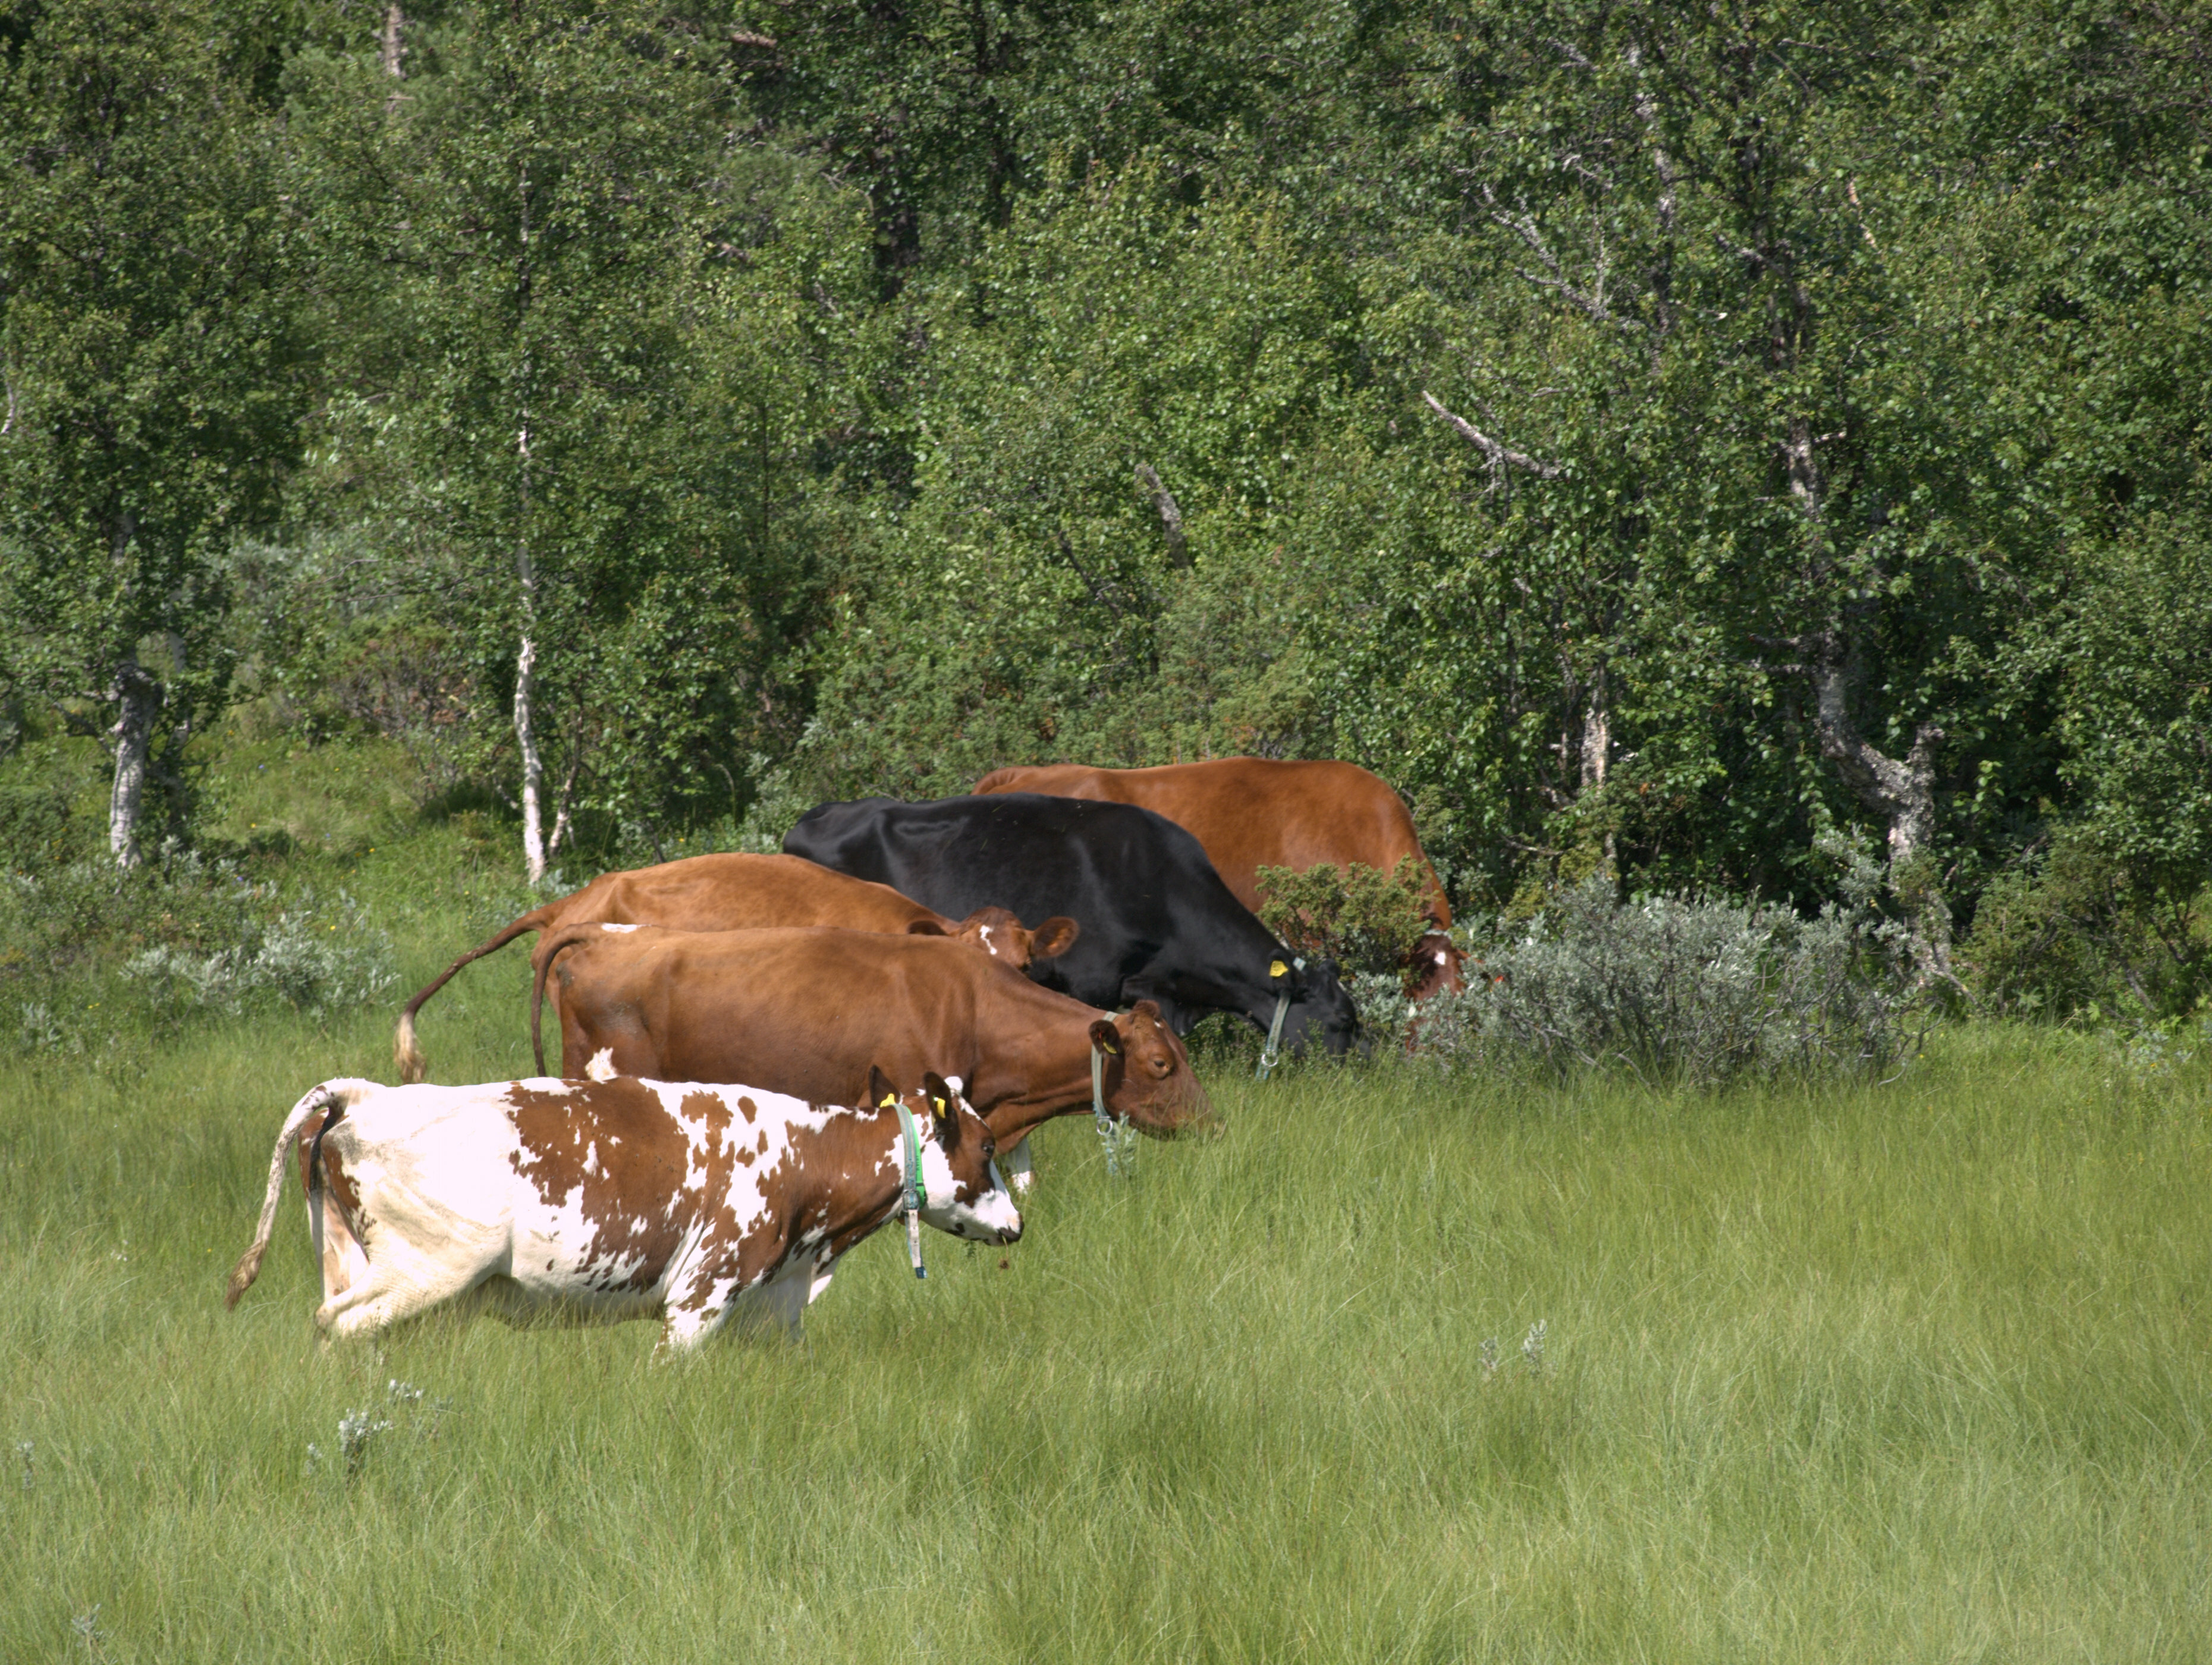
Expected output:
(808, 1011)
(1253, 812)
(730, 892)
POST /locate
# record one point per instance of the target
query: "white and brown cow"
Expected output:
(612, 1200)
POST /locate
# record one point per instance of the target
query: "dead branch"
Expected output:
(1496, 456)
(1170, 514)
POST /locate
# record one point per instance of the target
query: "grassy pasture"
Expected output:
(1915, 1372)
(1912, 1372)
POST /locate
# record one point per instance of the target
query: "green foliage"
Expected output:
(37, 825)
(1365, 920)
(152, 366)
(2074, 932)
(1628, 429)
(577, 409)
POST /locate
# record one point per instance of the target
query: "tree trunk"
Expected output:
(525, 574)
(1597, 756)
(140, 697)
(533, 767)
(1170, 514)
(1904, 793)
(392, 49)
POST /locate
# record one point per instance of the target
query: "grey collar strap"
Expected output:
(1098, 1092)
(914, 1189)
(1114, 1136)
(1272, 1054)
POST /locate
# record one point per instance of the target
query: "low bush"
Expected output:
(302, 958)
(1365, 920)
(1699, 992)
(2069, 932)
(184, 931)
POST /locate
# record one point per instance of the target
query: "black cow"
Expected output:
(1158, 923)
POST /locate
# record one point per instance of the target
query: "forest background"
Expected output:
(1708, 446)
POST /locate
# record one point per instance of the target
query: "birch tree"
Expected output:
(151, 376)
(514, 241)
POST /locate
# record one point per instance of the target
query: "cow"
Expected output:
(731, 892)
(1158, 923)
(810, 1011)
(606, 1200)
(1254, 812)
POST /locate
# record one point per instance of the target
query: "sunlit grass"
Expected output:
(1904, 1373)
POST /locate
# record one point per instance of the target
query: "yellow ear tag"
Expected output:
(941, 1110)
(891, 1102)
(1277, 969)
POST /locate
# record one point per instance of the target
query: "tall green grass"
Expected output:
(1904, 1372)
(1913, 1372)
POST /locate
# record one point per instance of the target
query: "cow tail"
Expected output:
(330, 1097)
(568, 937)
(404, 1051)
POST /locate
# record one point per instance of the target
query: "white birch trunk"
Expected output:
(533, 767)
(139, 695)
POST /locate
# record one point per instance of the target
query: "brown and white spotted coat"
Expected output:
(603, 1200)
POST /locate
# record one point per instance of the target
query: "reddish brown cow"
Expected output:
(1253, 812)
(731, 892)
(808, 1011)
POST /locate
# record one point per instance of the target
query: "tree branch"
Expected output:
(1498, 457)
(1170, 514)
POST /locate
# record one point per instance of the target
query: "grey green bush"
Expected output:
(1693, 991)
(305, 957)
(184, 933)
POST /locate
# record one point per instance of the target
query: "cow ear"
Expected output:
(1148, 1009)
(926, 927)
(945, 1104)
(1106, 1037)
(881, 1094)
(1054, 938)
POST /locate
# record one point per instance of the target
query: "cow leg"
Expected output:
(403, 1281)
(345, 1264)
(1020, 1173)
(383, 1300)
(702, 1295)
(782, 1300)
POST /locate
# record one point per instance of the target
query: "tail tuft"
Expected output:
(242, 1276)
(406, 1053)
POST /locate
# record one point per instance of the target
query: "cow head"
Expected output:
(1149, 1080)
(1003, 936)
(1320, 1010)
(1433, 967)
(966, 1196)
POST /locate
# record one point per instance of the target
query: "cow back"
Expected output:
(1253, 812)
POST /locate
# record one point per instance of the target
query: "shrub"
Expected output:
(1697, 991)
(303, 959)
(2069, 932)
(36, 827)
(184, 931)
(1363, 919)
